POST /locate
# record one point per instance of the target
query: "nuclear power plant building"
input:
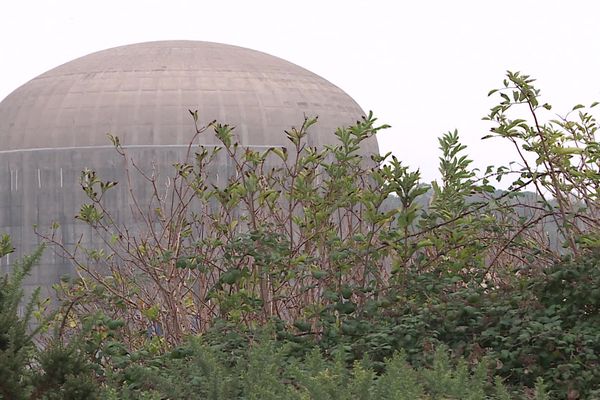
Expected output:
(56, 125)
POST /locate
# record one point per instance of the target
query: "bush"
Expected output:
(543, 327)
(26, 372)
(265, 370)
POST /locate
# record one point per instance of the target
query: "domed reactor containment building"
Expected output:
(56, 125)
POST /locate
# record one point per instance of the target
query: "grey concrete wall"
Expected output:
(40, 187)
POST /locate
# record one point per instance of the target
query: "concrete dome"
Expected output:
(54, 126)
(142, 92)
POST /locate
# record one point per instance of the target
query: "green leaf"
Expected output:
(194, 115)
(231, 277)
(280, 151)
(302, 326)
(6, 246)
(319, 274)
(152, 312)
(346, 292)
(568, 150)
(346, 308)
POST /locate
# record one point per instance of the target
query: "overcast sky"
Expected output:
(424, 67)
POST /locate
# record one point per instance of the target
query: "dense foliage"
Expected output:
(546, 326)
(322, 273)
(224, 364)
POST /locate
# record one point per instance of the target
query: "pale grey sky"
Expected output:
(423, 67)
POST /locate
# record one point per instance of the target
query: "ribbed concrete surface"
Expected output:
(142, 92)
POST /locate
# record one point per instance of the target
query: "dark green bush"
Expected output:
(265, 370)
(542, 327)
(26, 372)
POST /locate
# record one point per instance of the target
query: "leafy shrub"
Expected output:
(298, 230)
(544, 327)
